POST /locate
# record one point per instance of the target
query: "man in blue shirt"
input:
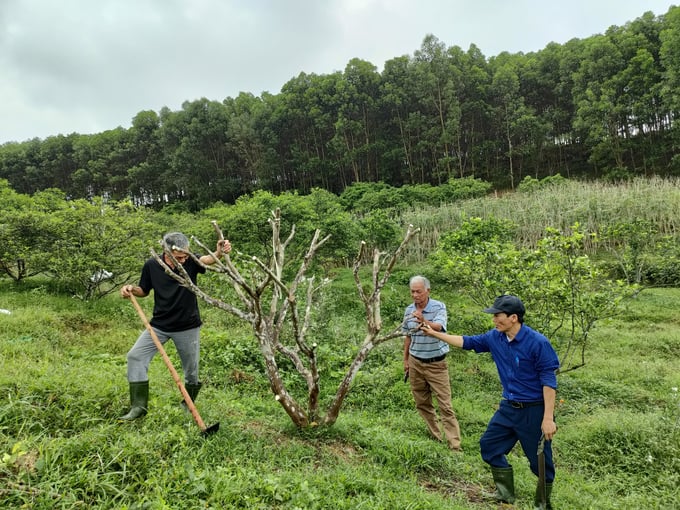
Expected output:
(425, 364)
(527, 366)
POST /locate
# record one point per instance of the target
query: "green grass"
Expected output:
(62, 386)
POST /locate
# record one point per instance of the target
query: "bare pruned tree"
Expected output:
(271, 305)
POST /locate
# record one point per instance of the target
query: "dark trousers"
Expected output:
(509, 425)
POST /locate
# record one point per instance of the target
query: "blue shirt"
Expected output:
(422, 345)
(524, 365)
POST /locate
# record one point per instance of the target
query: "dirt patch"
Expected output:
(473, 493)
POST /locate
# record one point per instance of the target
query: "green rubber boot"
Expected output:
(192, 390)
(139, 400)
(505, 484)
(538, 504)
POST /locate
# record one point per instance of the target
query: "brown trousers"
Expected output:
(429, 378)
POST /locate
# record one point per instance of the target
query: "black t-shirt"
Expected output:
(175, 307)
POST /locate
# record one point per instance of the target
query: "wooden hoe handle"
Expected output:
(168, 363)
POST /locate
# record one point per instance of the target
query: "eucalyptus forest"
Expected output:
(602, 107)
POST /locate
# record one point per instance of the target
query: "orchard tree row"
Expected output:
(88, 247)
(603, 106)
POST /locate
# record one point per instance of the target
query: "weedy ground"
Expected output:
(63, 385)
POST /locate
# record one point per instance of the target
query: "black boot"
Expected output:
(139, 400)
(538, 504)
(505, 484)
(192, 390)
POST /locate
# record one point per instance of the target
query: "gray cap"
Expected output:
(507, 304)
(175, 240)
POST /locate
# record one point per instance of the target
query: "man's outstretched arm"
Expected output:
(455, 340)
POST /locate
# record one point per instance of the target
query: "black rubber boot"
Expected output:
(538, 504)
(139, 400)
(505, 484)
(192, 390)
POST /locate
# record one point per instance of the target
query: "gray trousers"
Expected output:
(186, 342)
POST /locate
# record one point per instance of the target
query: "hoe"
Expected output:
(205, 431)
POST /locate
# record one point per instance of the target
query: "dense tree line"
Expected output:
(598, 107)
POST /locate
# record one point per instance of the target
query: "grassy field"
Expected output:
(595, 205)
(62, 386)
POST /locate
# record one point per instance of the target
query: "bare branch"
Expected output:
(184, 280)
(373, 322)
(355, 271)
(410, 232)
(284, 313)
(227, 258)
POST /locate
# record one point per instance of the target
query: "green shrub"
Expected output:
(531, 184)
(457, 189)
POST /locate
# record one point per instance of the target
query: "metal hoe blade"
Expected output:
(541, 473)
(210, 430)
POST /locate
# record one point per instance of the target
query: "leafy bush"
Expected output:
(380, 229)
(414, 194)
(564, 292)
(663, 266)
(463, 189)
(358, 197)
(246, 225)
(361, 198)
(476, 231)
(88, 248)
(530, 184)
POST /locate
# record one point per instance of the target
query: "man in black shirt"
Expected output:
(175, 316)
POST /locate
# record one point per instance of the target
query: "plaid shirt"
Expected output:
(422, 345)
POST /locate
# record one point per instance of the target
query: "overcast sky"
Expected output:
(87, 66)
